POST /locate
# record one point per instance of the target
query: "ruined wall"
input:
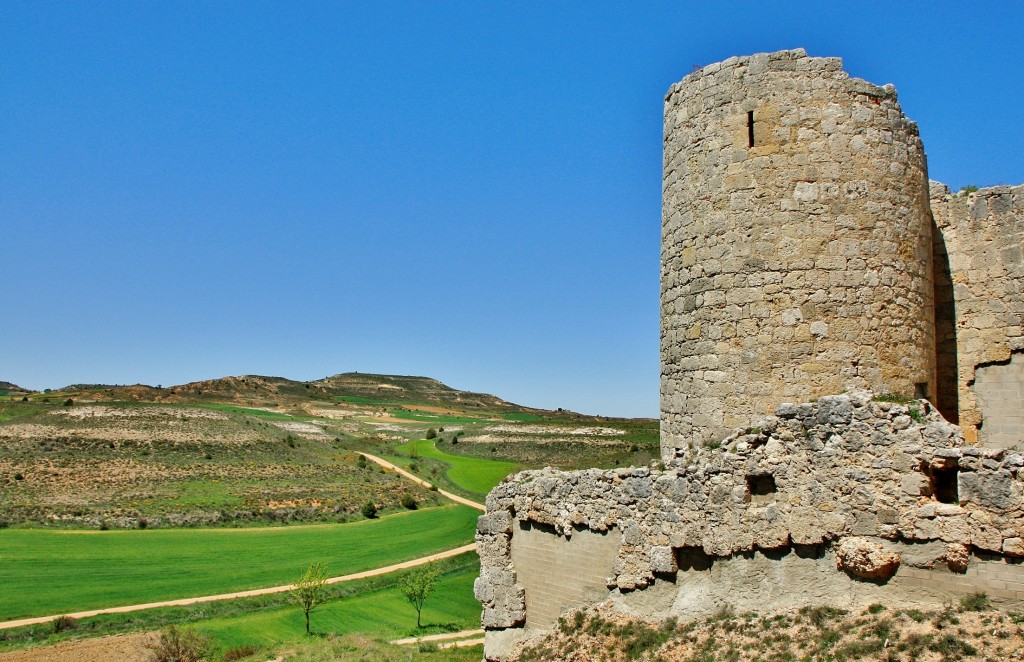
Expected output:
(982, 233)
(863, 500)
(796, 243)
(557, 572)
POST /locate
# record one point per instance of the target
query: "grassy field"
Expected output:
(380, 614)
(49, 572)
(470, 473)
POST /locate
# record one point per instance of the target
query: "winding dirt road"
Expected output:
(4, 625)
(416, 479)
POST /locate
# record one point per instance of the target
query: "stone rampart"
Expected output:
(981, 317)
(864, 498)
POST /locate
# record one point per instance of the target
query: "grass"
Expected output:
(154, 619)
(472, 474)
(52, 572)
(432, 417)
(382, 613)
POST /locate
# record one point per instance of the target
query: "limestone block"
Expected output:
(866, 559)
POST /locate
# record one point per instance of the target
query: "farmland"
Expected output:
(124, 495)
(51, 572)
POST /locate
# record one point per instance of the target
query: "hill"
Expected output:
(7, 388)
(258, 449)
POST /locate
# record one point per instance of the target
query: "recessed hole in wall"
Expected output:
(693, 558)
(944, 484)
(761, 487)
(750, 128)
(921, 391)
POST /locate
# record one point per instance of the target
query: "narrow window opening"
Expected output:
(921, 391)
(761, 488)
(750, 128)
(944, 485)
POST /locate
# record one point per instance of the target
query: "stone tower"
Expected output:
(796, 244)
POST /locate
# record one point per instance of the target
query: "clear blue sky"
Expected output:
(469, 191)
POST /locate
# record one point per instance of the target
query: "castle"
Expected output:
(806, 258)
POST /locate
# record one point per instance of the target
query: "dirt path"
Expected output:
(416, 479)
(4, 625)
(438, 637)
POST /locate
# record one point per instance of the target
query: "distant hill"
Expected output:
(415, 390)
(352, 387)
(7, 388)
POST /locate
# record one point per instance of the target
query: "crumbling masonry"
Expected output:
(805, 258)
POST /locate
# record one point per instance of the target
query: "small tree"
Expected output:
(311, 589)
(431, 433)
(417, 586)
(369, 510)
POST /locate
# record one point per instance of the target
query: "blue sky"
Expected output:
(469, 191)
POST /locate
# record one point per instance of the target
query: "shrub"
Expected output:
(143, 523)
(428, 647)
(975, 602)
(19, 476)
(63, 624)
(176, 645)
(361, 462)
(408, 501)
(431, 433)
(369, 510)
(240, 652)
(69, 402)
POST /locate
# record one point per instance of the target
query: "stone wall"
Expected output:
(559, 572)
(983, 235)
(796, 243)
(869, 491)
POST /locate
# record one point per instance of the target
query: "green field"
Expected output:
(50, 572)
(470, 473)
(381, 613)
(431, 417)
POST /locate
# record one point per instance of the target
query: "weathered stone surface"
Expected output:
(980, 310)
(780, 279)
(866, 559)
(957, 557)
(822, 489)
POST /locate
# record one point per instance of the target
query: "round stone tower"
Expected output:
(796, 244)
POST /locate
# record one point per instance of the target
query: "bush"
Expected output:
(240, 652)
(69, 402)
(361, 462)
(63, 624)
(431, 433)
(176, 645)
(369, 510)
(143, 523)
(19, 476)
(975, 602)
(408, 501)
